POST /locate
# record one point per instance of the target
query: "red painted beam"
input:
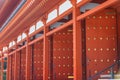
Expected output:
(11, 53)
(27, 70)
(59, 17)
(7, 77)
(45, 52)
(82, 16)
(10, 72)
(15, 64)
(21, 48)
(98, 8)
(2, 68)
(83, 2)
(36, 40)
(37, 31)
(77, 44)
(60, 28)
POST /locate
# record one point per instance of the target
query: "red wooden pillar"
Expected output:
(7, 68)
(45, 52)
(15, 66)
(8, 65)
(27, 57)
(51, 58)
(77, 44)
(118, 33)
(2, 67)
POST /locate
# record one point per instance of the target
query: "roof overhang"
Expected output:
(28, 14)
(8, 10)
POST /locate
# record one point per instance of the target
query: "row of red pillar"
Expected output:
(77, 47)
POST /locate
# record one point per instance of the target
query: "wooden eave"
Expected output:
(25, 17)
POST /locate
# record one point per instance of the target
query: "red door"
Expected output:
(62, 55)
(38, 61)
(101, 41)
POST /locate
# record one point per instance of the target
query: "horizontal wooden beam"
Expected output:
(98, 8)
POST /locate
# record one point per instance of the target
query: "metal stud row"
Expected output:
(101, 49)
(100, 17)
(100, 28)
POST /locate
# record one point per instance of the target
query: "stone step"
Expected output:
(108, 75)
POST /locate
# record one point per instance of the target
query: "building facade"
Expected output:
(60, 39)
